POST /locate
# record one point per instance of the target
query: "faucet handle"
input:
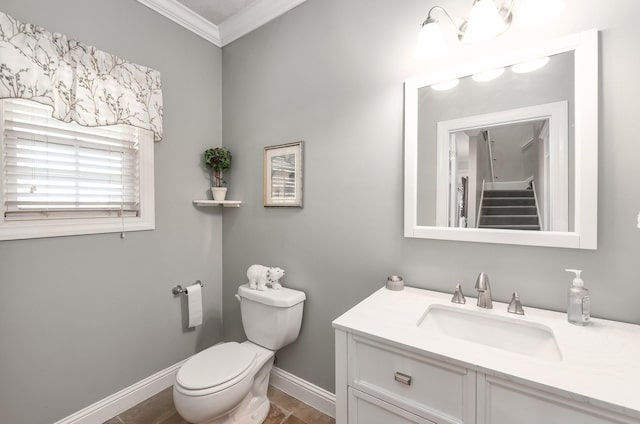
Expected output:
(458, 297)
(482, 283)
(515, 307)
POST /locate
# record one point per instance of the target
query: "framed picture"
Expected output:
(283, 175)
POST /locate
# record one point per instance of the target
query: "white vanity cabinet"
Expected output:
(385, 384)
(391, 371)
(501, 401)
(366, 409)
(407, 385)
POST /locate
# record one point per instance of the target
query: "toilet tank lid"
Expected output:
(281, 298)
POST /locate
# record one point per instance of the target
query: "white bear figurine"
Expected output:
(259, 276)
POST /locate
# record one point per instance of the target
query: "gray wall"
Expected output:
(331, 72)
(84, 317)
(512, 163)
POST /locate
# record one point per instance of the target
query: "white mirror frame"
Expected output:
(585, 48)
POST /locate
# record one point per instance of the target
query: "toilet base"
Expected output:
(252, 410)
(257, 416)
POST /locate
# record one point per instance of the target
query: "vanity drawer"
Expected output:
(501, 401)
(438, 391)
(365, 409)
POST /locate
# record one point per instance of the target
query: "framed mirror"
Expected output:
(506, 150)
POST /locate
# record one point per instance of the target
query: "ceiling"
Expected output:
(221, 21)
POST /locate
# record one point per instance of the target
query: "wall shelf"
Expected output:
(224, 203)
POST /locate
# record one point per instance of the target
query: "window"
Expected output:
(61, 178)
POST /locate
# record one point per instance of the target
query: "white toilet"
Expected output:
(227, 383)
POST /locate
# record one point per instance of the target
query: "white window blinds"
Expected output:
(53, 169)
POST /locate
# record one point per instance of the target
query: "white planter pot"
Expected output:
(219, 193)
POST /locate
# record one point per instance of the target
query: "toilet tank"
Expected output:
(271, 318)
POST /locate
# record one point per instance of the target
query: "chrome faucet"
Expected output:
(484, 291)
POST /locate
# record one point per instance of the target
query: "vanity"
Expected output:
(509, 160)
(412, 356)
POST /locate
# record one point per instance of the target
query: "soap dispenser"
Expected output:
(579, 303)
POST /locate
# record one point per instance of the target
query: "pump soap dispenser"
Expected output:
(579, 303)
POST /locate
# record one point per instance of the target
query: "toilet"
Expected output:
(227, 383)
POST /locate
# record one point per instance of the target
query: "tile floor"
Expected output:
(159, 409)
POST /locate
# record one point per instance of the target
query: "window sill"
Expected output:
(20, 230)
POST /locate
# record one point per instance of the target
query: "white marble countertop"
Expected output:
(600, 362)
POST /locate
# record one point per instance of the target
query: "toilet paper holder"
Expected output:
(184, 290)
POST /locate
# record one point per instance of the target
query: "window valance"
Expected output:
(81, 83)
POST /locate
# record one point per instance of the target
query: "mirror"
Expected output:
(509, 157)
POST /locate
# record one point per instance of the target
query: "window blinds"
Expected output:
(53, 169)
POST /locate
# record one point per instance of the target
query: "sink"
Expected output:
(506, 333)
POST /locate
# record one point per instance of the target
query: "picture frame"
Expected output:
(283, 175)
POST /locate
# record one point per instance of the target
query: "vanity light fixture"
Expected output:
(535, 13)
(489, 75)
(530, 66)
(446, 85)
(486, 21)
(431, 41)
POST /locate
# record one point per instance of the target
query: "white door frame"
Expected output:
(558, 115)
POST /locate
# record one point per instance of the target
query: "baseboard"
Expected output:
(304, 391)
(126, 398)
(119, 402)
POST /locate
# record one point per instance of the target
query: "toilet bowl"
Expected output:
(213, 384)
(227, 383)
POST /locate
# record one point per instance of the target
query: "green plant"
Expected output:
(217, 160)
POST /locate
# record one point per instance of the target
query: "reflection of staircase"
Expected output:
(509, 209)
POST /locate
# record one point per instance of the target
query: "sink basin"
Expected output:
(506, 333)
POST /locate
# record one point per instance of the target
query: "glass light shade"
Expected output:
(484, 24)
(431, 41)
(535, 13)
(446, 85)
(530, 66)
(489, 75)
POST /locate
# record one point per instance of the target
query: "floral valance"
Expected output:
(80, 82)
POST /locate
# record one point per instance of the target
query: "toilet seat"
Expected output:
(214, 369)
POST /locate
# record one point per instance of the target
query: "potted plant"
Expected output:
(217, 160)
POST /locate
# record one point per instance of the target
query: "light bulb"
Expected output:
(484, 24)
(431, 41)
(535, 13)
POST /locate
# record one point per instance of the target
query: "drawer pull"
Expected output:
(403, 378)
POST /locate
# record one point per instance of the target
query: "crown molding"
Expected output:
(187, 18)
(245, 21)
(254, 16)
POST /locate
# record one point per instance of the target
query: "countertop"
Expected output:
(600, 363)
